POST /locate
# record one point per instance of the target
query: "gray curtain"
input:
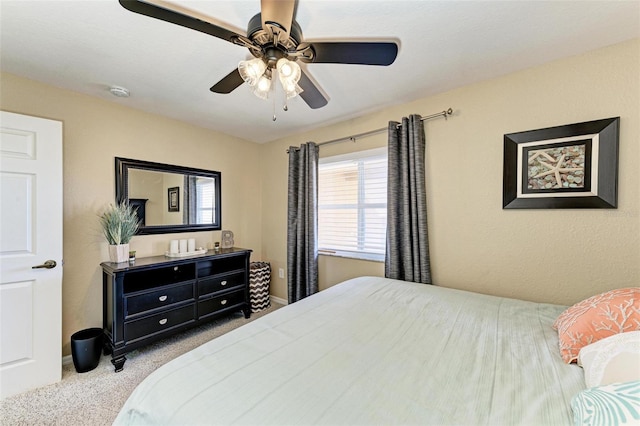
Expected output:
(302, 218)
(407, 256)
(189, 205)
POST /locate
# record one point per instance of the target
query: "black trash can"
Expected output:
(86, 348)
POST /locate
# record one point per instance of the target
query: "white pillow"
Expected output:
(614, 359)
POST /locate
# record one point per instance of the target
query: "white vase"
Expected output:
(119, 253)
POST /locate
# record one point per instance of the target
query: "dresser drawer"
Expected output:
(219, 303)
(158, 298)
(220, 282)
(158, 322)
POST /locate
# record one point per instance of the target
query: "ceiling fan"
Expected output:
(274, 38)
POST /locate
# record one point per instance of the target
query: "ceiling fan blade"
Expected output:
(362, 53)
(229, 83)
(163, 14)
(277, 16)
(311, 94)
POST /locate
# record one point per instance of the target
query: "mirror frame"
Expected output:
(122, 192)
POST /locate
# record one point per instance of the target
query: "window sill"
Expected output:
(353, 255)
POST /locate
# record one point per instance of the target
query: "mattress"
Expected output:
(372, 351)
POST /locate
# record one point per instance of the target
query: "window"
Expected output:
(352, 204)
(205, 200)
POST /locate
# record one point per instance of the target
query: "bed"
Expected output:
(372, 351)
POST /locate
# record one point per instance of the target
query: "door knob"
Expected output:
(49, 264)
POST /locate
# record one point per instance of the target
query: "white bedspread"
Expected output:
(372, 351)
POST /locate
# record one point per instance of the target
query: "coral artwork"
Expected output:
(573, 166)
(556, 168)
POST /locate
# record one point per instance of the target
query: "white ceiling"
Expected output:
(86, 46)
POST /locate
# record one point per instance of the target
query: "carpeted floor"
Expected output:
(95, 397)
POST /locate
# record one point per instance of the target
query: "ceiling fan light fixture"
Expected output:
(288, 71)
(271, 35)
(251, 71)
(262, 87)
(288, 85)
(289, 74)
(293, 92)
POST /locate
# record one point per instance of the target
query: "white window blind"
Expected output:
(352, 204)
(205, 200)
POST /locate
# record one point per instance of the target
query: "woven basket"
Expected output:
(259, 281)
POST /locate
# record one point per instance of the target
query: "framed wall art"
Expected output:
(173, 197)
(571, 166)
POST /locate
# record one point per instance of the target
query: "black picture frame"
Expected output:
(173, 199)
(585, 173)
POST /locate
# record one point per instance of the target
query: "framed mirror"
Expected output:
(169, 198)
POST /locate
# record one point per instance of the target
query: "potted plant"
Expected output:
(119, 224)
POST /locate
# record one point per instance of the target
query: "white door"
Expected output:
(30, 235)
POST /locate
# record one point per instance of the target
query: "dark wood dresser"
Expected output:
(156, 297)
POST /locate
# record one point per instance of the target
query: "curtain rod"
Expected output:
(353, 138)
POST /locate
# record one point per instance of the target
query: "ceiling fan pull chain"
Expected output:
(285, 107)
(273, 104)
(274, 93)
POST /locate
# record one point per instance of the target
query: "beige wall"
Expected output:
(96, 131)
(558, 256)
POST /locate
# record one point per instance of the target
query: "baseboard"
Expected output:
(66, 360)
(278, 300)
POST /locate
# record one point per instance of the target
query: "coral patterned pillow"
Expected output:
(597, 317)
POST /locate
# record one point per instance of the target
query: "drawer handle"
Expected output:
(175, 268)
(162, 298)
(163, 321)
(223, 302)
(223, 283)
